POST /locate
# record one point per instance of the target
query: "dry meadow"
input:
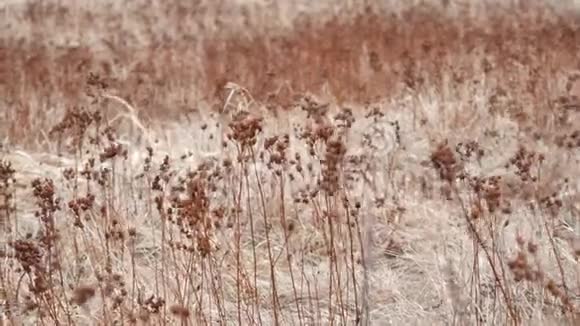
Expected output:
(255, 162)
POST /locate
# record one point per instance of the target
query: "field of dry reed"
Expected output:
(254, 162)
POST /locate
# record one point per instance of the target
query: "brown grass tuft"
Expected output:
(83, 294)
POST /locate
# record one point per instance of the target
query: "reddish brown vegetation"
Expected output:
(370, 55)
(358, 58)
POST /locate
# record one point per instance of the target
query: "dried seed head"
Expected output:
(180, 311)
(82, 294)
(532, 248)
(444, 161)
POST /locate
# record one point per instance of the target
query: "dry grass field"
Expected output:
(270, 162)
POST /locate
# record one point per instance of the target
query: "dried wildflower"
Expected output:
(245, 128)
(96, 81)
(203, 245)
(75, 124)
(552, 203)
(69, 174)
(331, 172)
(83, 294)
(7, 180)
(153, 304)
(444, 161)
(315, 109)
(532, 248)
(165, 166)
(28, 254)
(291, 226)
(111, 152)
(345, 117)
(180, 311)
(524, 161)
(488, 189)
(469, 150)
